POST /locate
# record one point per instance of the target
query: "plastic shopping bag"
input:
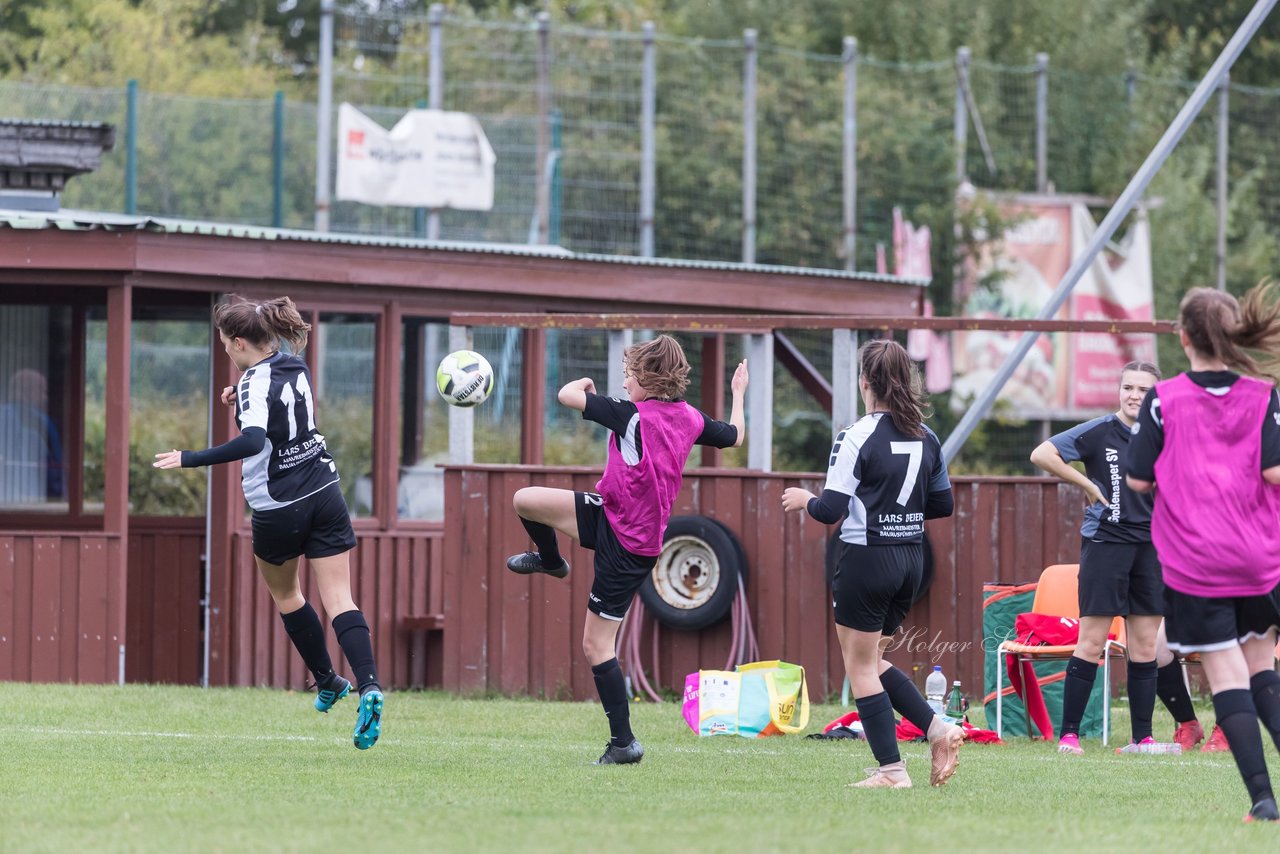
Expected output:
(758, 699)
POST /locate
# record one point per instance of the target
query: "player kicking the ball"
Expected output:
(651, 435)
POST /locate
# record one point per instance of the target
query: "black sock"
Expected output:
(1076, 689)
(544, 537)
(1266, 699)
(612, 688)
(906, 698)
(353, 637)
(1239, 721)
(876, 715)
(307, 633)
(1171, 688)
(1142, 697)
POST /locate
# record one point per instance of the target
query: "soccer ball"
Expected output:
(464, 378)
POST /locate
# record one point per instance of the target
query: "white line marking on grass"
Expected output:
(131, 734)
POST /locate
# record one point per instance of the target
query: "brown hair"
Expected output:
(1219, 327)
(659, 366)
(263, 324)
(895, 382)
(1142, 365)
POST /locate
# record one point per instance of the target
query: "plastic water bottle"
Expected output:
(1152, 747)
(955, 702)
(935, 690)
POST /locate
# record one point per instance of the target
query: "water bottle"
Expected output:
(935, 690)
(1152, 747)
(955, 702)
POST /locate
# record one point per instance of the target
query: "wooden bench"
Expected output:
(423, 623)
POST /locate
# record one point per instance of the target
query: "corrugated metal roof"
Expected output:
(53, 123)
(72, 220)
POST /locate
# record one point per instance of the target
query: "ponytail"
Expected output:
(1219, 327)
(263, 324)
(895, 383)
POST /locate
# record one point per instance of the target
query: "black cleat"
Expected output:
(1264, 810)
(527, 563)
(633, 752)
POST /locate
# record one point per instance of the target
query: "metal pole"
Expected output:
(749, 147)
(435, 90)
(850, 59)
(1042, 122)
(131, 148)
(648, 145)
(277, 161)
(1111, 222)
(1224, 117)
(324, 116)
(420, 214)
(760, 402)
(961, 122)
(542, 191)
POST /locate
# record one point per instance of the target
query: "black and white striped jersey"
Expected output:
(888, 477)
(275, 395)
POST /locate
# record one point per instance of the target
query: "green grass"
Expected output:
(146, 768)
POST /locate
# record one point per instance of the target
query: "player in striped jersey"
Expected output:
(291, 483)
(887, 474)
(1208, 441)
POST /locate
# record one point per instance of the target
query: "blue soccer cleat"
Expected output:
(333, 689)
(369, 722)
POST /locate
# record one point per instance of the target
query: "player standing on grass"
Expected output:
(651, 435)
(291, 483)
(1208, 440)
(886, 473)
(1119, 571)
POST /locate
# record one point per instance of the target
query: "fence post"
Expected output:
(961, 126)
(749, 147)
(648, 151)
(844, 379)
(420, 227)
(324, 116)
(131, 148)
(760, 401)
(542, 189)
(850, 60)
(1042, 122)
(277, 161)
(554, 202)
(1224, 117)
(435, 92)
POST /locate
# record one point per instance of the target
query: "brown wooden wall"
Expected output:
(62, 606)
(522, 635)
(166, 583)
(394, 576)
(66, 604)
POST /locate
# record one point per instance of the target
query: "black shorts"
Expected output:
(1199, 624)
(316, 526)
(1120, 580)
(618, 572)
(874, 586)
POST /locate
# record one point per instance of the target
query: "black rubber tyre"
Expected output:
(833, 557)
(696, 578)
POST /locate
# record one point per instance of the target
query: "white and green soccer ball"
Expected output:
(464, 378)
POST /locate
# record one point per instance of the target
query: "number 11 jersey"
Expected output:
(275, 395)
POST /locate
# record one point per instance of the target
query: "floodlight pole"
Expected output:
(1119, 211)
(324, 117)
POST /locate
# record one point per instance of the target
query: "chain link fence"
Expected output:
(918, 129)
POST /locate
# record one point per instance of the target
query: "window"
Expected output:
(343, 370)
(36, 407)
(425, 426)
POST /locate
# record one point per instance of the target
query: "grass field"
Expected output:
(145, 768)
